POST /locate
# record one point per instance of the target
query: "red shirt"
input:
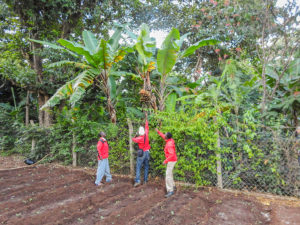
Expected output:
(140, 139)
(170, 150)
(102, 149)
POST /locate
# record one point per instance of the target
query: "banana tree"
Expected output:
(145, 46)
(169, 55)
(96, 59)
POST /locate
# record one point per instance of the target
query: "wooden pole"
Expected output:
(219, 165)
(131, 147)
(32, 151)
(74, 153)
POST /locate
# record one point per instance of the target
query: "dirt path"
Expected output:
(50, 194)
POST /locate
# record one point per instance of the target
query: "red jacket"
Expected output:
(170, 150)
(140, 139)
(102, 149)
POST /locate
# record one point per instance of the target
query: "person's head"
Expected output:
(168, 135)
(141, 131)
(102, 134)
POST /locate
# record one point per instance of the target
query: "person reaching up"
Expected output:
(143, 142)
(170, 161)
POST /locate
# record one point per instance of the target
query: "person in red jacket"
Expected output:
(143, 142)
(103, 165)
(171, 159)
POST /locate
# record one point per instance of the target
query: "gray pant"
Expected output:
(103, 169)
(169, 177)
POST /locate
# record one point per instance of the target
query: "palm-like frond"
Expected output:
(190, 50)
(78, 49)
(73, 89)
(90, 41)
(144, 44)
(69, 63)
(62, 93)
(167, 55)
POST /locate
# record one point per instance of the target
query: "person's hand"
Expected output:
(146, 115)
(156, 129)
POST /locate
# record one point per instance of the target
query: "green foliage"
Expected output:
(167, 55)
(10, 122)
(144, 44)
(216, 100)
(195, 138)
(98, 57)
(191, 49)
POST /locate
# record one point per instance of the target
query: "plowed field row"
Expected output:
(54, 195)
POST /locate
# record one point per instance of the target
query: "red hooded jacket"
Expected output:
(140, 139)
(170, 150)
(102, 149)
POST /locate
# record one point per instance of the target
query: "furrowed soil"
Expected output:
(53, 194)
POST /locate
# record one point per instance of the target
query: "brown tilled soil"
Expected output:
(52, 194)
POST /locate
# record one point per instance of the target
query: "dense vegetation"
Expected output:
(225, 83)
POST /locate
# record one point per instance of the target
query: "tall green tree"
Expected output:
(97, 56)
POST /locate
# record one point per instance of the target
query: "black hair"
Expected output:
(168, 135)
(101, 134)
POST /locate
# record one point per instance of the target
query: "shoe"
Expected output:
(169, 194)
(109, 181)
(136, 184)
(99, 184)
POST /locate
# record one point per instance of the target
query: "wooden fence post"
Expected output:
(33, 142)
(219, 164)
(131, 147)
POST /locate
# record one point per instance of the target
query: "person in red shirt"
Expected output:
(103, 165)
(143, 142)
(171, 159)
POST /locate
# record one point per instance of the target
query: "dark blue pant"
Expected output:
(140, 161)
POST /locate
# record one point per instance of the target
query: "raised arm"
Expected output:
(146, 127)
(161, 134)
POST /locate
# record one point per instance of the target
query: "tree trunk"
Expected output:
(38, 67)
(264, 83)
(47, 114)
(111, 109)
(41, 113)
(27, 109)
(110, 106)
(131, 147)
(74, 153)
(295, 116)
(162, 96)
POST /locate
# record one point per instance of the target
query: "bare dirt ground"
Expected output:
(53, 194)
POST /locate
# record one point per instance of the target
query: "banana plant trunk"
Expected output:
(161, 92)
(110, 105)
(148, 89)
(111, 109)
